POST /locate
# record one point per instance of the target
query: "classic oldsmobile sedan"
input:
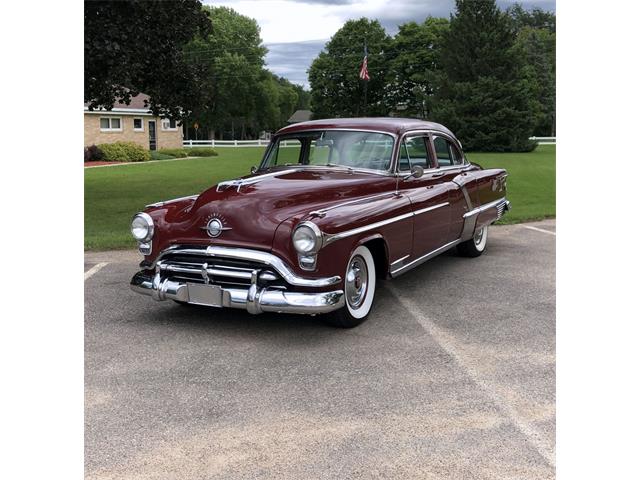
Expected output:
(334, 206)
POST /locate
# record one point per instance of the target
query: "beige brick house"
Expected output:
(131, 123)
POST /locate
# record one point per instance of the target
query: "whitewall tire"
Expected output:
(359, 287)
(475, 246)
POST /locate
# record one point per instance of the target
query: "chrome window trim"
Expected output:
(257, 256)
(430, 132)
(388, 171)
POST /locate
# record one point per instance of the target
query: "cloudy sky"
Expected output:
(295, 31)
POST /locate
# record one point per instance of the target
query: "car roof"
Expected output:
(393, 125)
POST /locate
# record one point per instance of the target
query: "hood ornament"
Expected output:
(214, 227)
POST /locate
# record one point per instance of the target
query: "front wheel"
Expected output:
(359, 290)
(476, 245)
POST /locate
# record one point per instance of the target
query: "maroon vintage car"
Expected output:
(334, 205)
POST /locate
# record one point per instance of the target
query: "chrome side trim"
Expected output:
(428, 209)
(329, 238)
(424, 258)
(257, 256)
(484, 207)
(164, 202)
(399, 261)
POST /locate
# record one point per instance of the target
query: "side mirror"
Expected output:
(416, 172)
(254, 169)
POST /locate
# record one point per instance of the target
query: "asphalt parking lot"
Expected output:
(453, 376)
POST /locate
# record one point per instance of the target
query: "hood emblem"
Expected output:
(214, 227)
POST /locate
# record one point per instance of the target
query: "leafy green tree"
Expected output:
(232, 56)
(485, 96)
(336, 90)
(414, 66)
(304, 98)
(137, 46)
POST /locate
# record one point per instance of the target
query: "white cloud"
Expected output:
(315, 21)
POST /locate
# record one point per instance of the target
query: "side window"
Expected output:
(321, 152)
(414, 152)
(458, 159)
(443, 151)
(284, 152)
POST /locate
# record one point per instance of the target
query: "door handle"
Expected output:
(436, 175)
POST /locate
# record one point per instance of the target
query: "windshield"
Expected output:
(333, 148)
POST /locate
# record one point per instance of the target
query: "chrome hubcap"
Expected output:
(356, 281)
(477, 238)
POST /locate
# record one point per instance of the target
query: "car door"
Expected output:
(453, 169)
(428, 195)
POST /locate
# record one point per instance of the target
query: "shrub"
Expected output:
(201, 152)
(92, 154)
(160, 156)
(124, 152)
(174, 152)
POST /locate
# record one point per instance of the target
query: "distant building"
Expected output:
(131, 123)
(300, 116)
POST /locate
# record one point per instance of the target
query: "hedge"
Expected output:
(124, 152)
(189, 152)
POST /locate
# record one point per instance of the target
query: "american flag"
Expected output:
(364, 72)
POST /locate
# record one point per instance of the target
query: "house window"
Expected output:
(110, 124)
(138, 125)
(169, 124)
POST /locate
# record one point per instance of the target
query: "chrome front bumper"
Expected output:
(254, 299)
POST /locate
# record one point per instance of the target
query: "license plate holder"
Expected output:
(202, 294)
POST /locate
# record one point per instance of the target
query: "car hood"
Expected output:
(251, 208)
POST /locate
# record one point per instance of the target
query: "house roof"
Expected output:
(300, 116)
(137, 105)
(385, 124)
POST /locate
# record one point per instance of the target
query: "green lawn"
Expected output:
(531, 186)
(113, 194)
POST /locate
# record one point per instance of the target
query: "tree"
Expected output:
(336, 90)
(136, 46)
(484, 95)
(413, 66)
(537, 47)
(536, 44)
(534, 18)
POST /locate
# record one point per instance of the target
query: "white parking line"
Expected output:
(539, 230)
(95, 269)
(448, 343)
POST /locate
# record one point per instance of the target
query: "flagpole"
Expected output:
(365, 97)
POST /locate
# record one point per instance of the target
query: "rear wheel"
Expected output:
(359, 290)
(476, 245)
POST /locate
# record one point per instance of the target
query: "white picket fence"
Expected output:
(544, 140)
(291, 143)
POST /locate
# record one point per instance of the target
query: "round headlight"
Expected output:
(142, 227)
(307, 239)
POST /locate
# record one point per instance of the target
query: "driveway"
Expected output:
(453, 376)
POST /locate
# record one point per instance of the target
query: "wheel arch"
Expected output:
(379, 249)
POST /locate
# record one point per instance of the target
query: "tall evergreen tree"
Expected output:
(484, 95)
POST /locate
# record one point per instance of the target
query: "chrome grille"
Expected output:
(225, 272)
